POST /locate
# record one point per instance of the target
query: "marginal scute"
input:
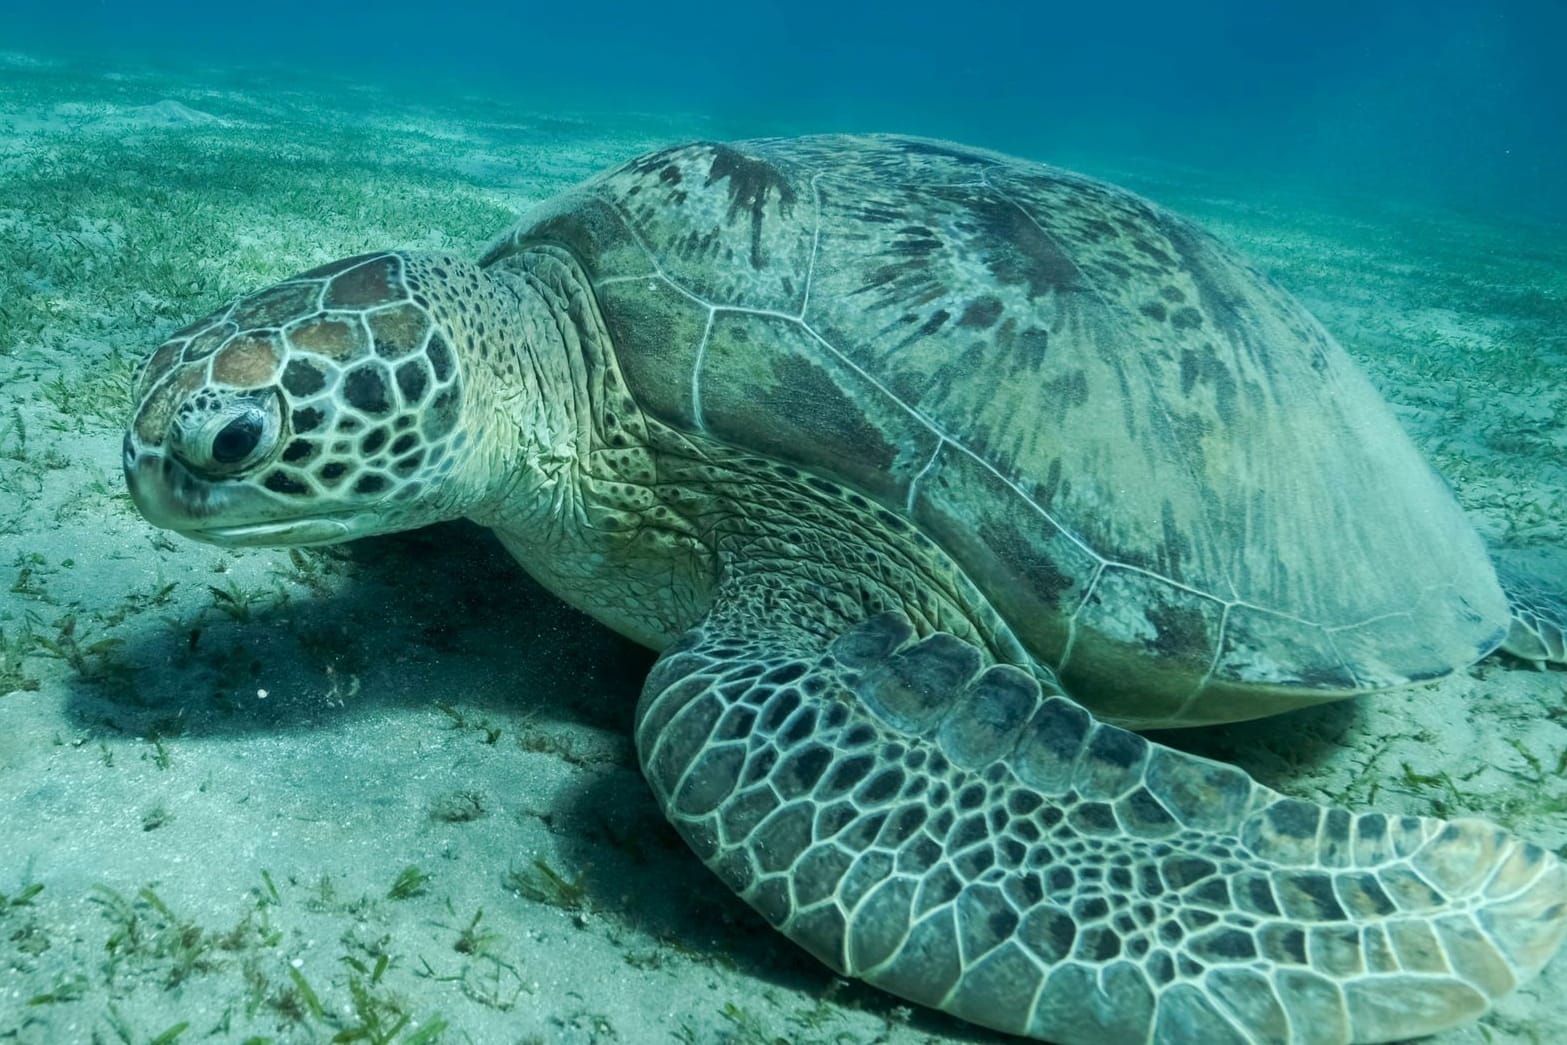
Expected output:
(1394, 649)
(1035, 573)
(1167, 635)
(1280, 650)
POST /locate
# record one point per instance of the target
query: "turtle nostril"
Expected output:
(238, 439)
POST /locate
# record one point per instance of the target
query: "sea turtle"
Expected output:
(926, 470)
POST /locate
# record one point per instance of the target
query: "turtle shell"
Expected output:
(1174, 485)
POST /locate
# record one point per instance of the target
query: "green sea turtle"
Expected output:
(888, 445)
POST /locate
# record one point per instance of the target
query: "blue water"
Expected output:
(1455, 101)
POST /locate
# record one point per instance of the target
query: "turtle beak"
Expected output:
(150, 478)
(172, 497)
(166, 492)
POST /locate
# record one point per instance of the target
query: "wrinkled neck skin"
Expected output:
(525, 406)
(636, 524)
(570, 494)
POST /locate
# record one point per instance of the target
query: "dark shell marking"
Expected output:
(1058, 381)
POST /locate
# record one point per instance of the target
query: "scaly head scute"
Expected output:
(324, 408)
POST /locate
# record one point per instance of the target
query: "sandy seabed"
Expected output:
(386, 791)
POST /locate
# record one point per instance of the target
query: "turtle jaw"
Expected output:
(293, 534)
(224, 513)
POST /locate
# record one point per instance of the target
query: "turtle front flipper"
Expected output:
(1538, 633)
(952, 833)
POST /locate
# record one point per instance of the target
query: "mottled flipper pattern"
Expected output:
(949, 832)
(1539, 627)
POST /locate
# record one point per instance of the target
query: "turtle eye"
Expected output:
(220, 439)
(238, 439)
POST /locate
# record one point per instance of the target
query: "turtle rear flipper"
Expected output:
(953, 833)
(1538, 632)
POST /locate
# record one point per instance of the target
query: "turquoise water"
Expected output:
(1461, 100)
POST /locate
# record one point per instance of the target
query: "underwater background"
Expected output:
(1463, 100)
(385, 791)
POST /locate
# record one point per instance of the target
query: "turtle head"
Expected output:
(327, 407)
